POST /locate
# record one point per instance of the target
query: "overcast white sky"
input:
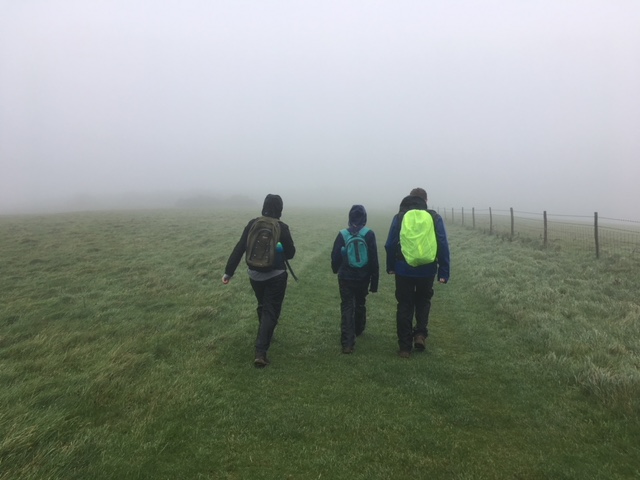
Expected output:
(484, 103)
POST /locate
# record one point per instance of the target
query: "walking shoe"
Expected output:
(418, 342)
(261, 360)
(348, 349)
(404, 354)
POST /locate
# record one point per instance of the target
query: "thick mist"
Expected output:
(497, 104)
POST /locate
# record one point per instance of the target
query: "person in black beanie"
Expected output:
(356, 275)
(269, 284)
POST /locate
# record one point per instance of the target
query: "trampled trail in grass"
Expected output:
(123, 356)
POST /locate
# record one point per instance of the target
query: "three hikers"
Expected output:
(417, 252)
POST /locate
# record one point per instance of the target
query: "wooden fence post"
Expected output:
(463, 216)
(490, 222)
(595, 231)
(452, 216)
(544, 221)
(473, 217)
(511, 209)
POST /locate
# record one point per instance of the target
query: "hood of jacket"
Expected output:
(412, 202)
(357, 218)
(272, 206)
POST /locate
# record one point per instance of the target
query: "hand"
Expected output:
(442, 280)
(391, 272)
(226, 278)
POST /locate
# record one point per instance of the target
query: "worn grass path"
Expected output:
(477, 404)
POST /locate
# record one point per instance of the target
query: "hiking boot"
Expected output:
(261, 360)
(404, 353)
(348, 350)
(418, 342)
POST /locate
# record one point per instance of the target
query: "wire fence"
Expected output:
(599, 235)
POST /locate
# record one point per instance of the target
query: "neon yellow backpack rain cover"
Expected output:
(418, 238)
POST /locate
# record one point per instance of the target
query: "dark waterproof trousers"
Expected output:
(353, 309)
(270, 294)
(414, 299)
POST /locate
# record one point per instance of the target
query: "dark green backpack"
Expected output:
(262, 242)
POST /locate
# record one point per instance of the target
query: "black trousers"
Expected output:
(414, 299)
(353, 310)
(270, 295)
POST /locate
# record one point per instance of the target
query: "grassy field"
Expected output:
(122, 356)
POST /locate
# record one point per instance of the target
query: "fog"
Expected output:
(496, 103)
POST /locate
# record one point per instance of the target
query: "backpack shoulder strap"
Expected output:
(435, 215)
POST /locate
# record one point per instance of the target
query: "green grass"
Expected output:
(122, 355)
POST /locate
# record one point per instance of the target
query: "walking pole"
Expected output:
(291, 270)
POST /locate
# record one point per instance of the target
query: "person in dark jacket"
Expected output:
(354, 282)
(414, 285)
(269, 286)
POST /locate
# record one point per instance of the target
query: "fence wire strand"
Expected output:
(599, 235)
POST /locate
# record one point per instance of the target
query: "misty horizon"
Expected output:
(484, 104)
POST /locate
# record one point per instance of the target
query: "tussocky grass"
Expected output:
(123, 356)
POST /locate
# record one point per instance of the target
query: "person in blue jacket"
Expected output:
(414, 285)
(354, 282)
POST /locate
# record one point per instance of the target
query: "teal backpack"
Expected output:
(355, 248)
